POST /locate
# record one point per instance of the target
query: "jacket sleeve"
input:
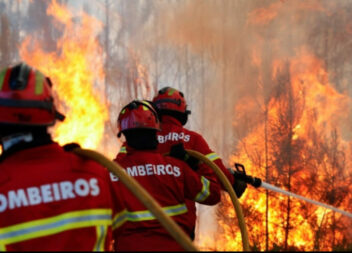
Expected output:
(198, 188)
(202, 146)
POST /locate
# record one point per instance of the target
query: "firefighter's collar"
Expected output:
(170, 120)
(11, 140)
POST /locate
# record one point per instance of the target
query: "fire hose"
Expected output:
(228, 187)
(240, 174)
(143, 196)
(257, 182)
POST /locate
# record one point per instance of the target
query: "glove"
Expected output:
(239, 187)
(71, 146)
(240, 184)
(240, 174)
(178, 151)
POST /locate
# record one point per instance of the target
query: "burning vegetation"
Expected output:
(297, 143)
(77, 73)
(76, 66)
(289, 86)
(298, 147)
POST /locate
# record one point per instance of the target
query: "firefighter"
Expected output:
(50, 199)
(172, 109)
(169, 180)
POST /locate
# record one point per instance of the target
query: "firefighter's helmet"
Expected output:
(138, 115)
(171, 99)
(26, 97)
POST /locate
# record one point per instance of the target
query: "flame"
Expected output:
(295, 130)
(318, 110)
(76, 69)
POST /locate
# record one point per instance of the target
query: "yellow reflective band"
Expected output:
(204, 193)
(101, 237)
(145, 215)
(119, 219)
(123, 150)
(2, 247)
(176, 210)
(123, 111)
(56, 224)
(145, 108)
(39, 83)
(2, 77)
(212, 156)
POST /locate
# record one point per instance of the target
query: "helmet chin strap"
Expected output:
(11, 140)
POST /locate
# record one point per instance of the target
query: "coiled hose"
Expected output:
(169, 224)
(228, 187)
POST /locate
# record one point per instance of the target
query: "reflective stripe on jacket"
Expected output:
(170, 182)
(52, 200)
(145, 215)
(98, 218)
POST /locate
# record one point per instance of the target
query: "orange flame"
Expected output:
(317, 106)
(77, 73)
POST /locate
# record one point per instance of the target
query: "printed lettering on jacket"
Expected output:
(47, 193)
(173, 136)
(150, 169)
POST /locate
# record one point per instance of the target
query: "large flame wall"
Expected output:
(77, 73)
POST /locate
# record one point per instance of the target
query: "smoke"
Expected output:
(239, 42)
(236, 48)
(223, 54)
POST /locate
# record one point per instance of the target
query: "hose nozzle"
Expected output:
(240, 174)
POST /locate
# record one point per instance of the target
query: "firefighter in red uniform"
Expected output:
(172, 109)
(50, 199)
(170, 181)
(173, 112)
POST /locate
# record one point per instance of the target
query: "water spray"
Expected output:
(274, 188)
(240, 174)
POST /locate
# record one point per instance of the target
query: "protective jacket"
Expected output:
(172, 132)
(170, 181)
(53, 200)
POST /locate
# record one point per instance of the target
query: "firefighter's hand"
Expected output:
(178, 151)
(71, 146)
(239, 187)
(239, 177)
